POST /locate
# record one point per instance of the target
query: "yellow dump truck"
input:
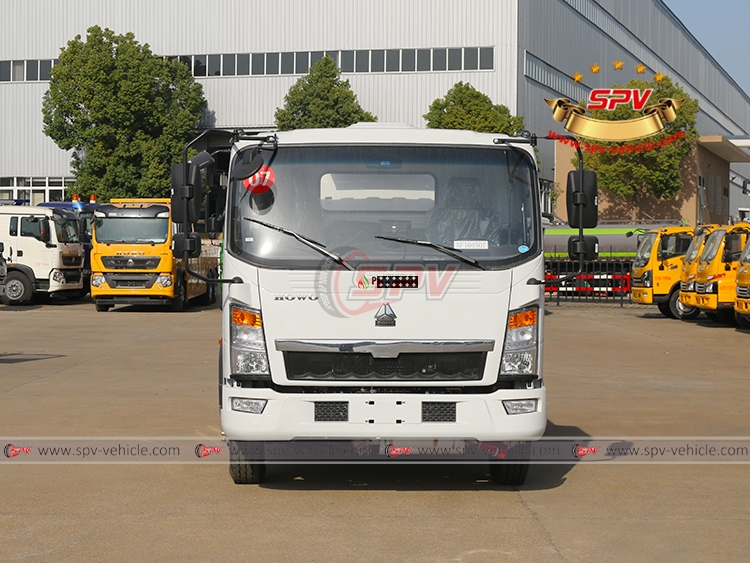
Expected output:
(132, 261)
(688, 296)
(656, 270)
(715, 280)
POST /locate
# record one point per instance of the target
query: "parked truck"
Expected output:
(384, 284)
(43, 252)
(742, 299)
(132, 261)
(689, 269)
(715, 280)
(657, 266)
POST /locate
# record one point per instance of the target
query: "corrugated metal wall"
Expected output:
(37, 29)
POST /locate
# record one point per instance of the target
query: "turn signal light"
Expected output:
(246, 318)
(523, 318)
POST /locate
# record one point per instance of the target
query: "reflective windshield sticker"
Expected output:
(471, 244)
(523, 248)
(260, 182)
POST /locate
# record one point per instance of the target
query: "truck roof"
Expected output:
(27, 210)
(149, 210)
(391, 134)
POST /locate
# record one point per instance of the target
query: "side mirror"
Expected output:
(214, 224)
(663, 247)
(2, 247)
(44, 230)
(582, 201)
(182, 242)
(588, 248)
(251, 162)
(187, 193)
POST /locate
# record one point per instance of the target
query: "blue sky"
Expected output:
(721, 26)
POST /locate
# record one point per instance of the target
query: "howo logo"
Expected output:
(295, 297)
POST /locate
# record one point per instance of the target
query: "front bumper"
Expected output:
(688, 298)
(375, 415)
(742, 306)
(65, 280)
(642, 295)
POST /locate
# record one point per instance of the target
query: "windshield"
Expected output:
(695, 246)
(745, 258)
(66, 229)
(675, 245)
(132, 229)
(481, 201)
(712, 245)
(643, 254)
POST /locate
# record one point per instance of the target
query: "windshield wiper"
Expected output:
(444, 249)
(315, 245)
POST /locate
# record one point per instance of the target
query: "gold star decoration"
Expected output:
(618, 64)
(595, 68)
(577, 77)
(658, 77)
(640, 69)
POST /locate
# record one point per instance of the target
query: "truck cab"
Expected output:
(43, 252)
(689, 269)
(384, 284)
(656, 270)
(742, 299)
(715, 280)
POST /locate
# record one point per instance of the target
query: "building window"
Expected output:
(4, 71)
(302, 63)
(44, 69)
(347, 61)
(32, 70)
(439, 59)
(243, 64)
(259, 63)
(454, 59)
(423, 59)
(471, 58)
(392, 59)
(486, 58)
(363, 61)
(214, 65)
(378, 61)
(334, 55)
(287, 63)
(187, 61)
(229, 65)
(315, 56)
(56, 195)
(408, 60)
(17, 71)
(199, 65)
(272, 63)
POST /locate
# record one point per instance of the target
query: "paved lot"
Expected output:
(66, 370)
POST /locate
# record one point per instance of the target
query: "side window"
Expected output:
(13, 226)
(30, 228)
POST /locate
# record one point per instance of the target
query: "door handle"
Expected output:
(19, 253)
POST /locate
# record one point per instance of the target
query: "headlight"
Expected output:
(98, 280)
(520, 350)
(690, 286)
(711, 287)
(58, 277)
(253, 406)
(248, 344)
(164, 281)
(648, 277)
(522, 406)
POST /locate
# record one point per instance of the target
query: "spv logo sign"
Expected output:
(610, 98)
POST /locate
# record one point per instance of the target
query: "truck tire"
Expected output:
(213, 288)
(727, 316)
(666, 310)
(18, 289)
(713, 316)
(509, 474)
(103, 308)
(179, 301)
(247, 473)
(743, 321)
(681, 311)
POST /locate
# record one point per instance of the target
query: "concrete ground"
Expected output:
(66, 370)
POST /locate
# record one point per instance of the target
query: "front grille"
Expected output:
(700, 288)
(743, 292)
(636, 282)
(130, 281)
(71, 276)
(438, 412)
(684, 286)
(317, 366)
(331, 411)
(72, 260)
(131, 262)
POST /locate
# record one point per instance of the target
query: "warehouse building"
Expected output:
(398, 57)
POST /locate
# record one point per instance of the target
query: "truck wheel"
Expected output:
(180, 296)
(681, 311)
(103, 308)
(712, 316)
(727, 316)
(247, 473)
(511, 474)
(743, 321)
(666, 310)
(18, 289)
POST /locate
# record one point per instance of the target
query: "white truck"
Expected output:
(43, 252)
(384, 286)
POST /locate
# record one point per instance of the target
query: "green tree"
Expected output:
(465, 107)
(654, 172)
(124, 112)
(320, 99)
